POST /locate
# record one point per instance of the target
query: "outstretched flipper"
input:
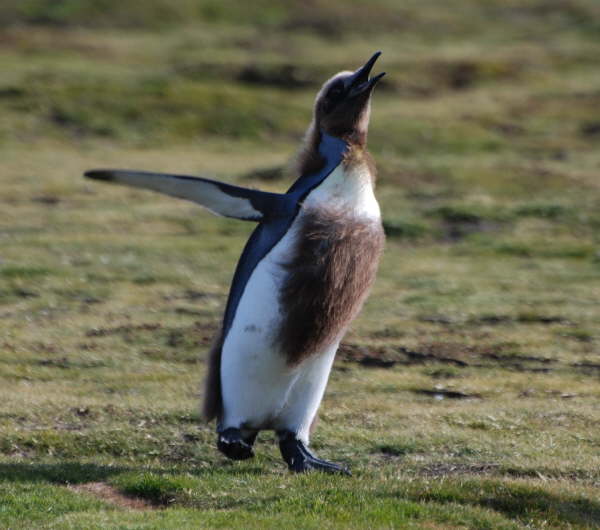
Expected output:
(220, 198)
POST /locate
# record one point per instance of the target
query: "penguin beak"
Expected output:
(359, 82)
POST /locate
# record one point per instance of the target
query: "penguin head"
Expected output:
(342, 106)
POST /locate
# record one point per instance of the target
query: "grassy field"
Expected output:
(467, 393)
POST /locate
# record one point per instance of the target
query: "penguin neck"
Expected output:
(321, 154)
(331, 148)
(320, 150)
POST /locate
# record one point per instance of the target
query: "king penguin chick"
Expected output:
(301, 279)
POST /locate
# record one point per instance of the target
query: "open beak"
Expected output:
(360, 82)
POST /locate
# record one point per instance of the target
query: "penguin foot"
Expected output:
(300, 460)
(233, 445)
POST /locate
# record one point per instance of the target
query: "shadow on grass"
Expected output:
(519, 501)
(79, 473)
(60, 473)
(135, 487)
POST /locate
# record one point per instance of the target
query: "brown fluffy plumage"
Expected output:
(308, 159)
(327, 280)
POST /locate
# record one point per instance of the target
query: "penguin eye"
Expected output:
(336, 90)
(334, 95)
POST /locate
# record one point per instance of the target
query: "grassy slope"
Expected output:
(486, 135)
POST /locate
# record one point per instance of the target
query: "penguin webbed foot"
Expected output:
(300, 460)
(235, 446)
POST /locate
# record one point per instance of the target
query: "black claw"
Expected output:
(233, 445)
(300, 460)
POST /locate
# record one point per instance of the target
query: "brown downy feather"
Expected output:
(357, 156)
(213, 401)
(308, 160)
(327, 280)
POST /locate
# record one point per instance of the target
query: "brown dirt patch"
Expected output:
(109, 494)
(386, 357)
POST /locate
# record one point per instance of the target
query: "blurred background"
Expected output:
(484, 321)
(486, 129)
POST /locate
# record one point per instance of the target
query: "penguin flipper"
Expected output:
(220, 198)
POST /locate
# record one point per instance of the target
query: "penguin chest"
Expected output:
(333, 264)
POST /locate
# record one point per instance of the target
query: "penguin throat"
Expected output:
(331, 147)
(321, 150)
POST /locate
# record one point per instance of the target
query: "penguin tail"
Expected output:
(212, 405)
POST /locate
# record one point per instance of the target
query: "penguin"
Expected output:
(301, 279)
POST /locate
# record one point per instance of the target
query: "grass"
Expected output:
(466, 394)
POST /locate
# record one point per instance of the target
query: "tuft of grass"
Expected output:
(38, 504)
(23, 272)
(158, 489)
(543, 210)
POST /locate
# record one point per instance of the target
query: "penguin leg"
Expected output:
(300, 460)
(235, 445)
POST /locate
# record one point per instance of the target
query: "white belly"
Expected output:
(259, 389)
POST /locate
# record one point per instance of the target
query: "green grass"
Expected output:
(465, 396)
